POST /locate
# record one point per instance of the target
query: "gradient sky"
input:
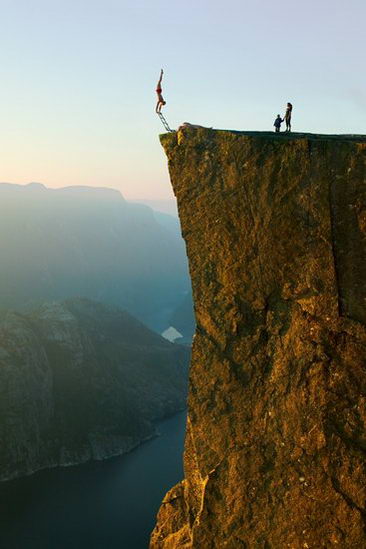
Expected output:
(78, 80)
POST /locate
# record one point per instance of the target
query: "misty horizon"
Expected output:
(38, 184)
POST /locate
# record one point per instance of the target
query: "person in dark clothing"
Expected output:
(277, 123)
(159, 90)
(288, 117)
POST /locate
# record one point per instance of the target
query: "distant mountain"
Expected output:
(170, 222)
(168, 206)
(81, 381)
(183, 319)
(89, 242)
(181, 322)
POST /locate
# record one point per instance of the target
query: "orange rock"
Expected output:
(275, 447)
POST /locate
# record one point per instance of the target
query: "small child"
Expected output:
(277, 123)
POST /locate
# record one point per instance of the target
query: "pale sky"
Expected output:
(78, 78)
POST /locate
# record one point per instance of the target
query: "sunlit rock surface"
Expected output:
(275, 227)
(80, 381)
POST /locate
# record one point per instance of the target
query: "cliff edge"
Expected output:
(275, 228)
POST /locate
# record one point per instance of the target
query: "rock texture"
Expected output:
(81, 381)
(275, 227)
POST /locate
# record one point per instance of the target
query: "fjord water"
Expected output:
(110, 504)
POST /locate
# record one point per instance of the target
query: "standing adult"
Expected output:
(288, 117)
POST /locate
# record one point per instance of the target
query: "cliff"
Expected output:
(81, 381)
(275, 228)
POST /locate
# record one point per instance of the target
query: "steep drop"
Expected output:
(275, 228)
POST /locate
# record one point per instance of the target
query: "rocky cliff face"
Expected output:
(275, 228)
(81, 381)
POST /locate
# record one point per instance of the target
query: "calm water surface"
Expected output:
(103, 505)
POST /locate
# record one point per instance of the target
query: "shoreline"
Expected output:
(109, 455)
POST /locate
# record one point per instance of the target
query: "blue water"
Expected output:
(101, 505)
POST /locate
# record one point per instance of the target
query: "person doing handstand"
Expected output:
(288, 117)
(159, 90)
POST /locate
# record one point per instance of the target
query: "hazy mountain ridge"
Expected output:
(80, 381)
(183, 318)
(89, 242)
